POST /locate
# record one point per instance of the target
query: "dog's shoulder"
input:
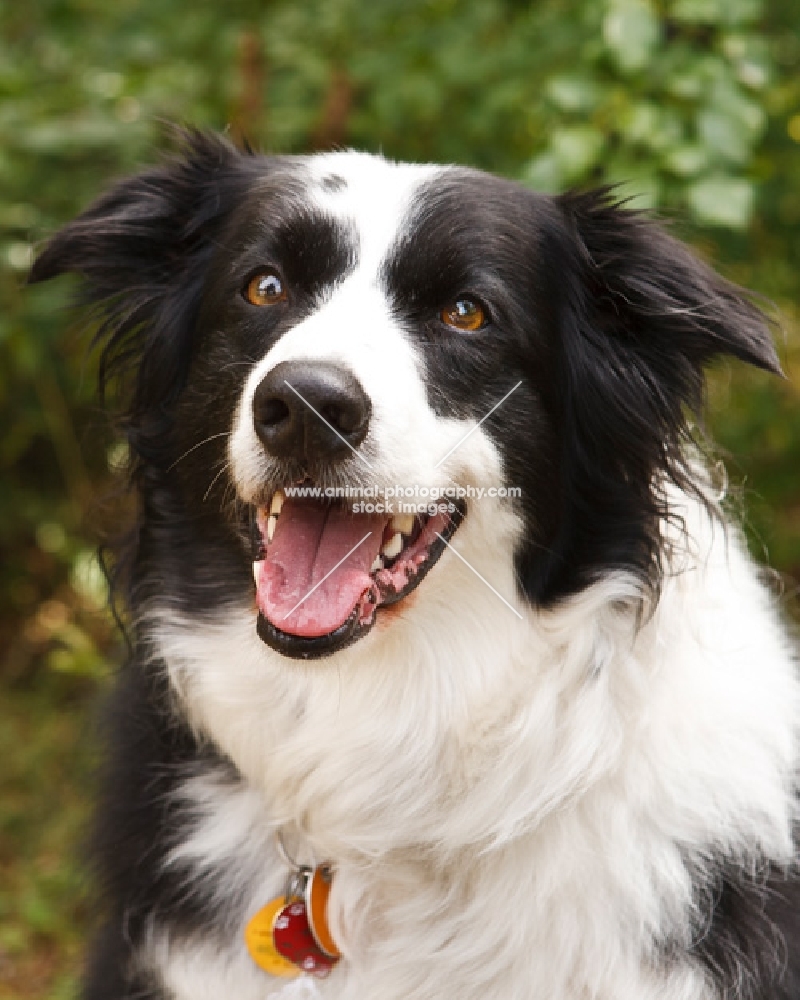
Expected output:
(142, 819)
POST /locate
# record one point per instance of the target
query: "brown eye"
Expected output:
(464, 314)
(265, 289)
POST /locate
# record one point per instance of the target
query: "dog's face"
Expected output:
(392, 340)
(364, 318)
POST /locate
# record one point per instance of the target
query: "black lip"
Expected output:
(437, 547)
(303, 648)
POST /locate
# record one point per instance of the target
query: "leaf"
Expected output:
(576, 150)
(88, 579)
(640, 121)
(543, 173)
(573, 92)
(722, 200)
(731, 124)
(631, 31)
(724, 136)
(66, 136)
(716, 11)
(646, 124)
(636, 182)
(687, 160)
(750, 58)
(728, 97)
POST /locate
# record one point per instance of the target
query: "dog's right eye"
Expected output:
(265, 289)
(464, 314)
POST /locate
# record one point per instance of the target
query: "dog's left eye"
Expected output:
(465, 314)
(265, 289)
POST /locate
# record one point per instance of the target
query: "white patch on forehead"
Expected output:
(376, 197)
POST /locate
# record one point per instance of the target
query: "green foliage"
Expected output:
(43, 901)
(666, 101)
(692, 106)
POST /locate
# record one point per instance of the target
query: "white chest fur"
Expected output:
(512, 809)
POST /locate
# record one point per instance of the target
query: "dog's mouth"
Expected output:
(322, 571)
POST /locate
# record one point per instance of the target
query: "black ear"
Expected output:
(143, 249)
(638, 316)
(643, 284)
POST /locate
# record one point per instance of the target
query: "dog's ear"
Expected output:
(639, 316)
(142, 250)
(643, 286)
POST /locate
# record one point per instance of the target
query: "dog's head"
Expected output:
(391, 340)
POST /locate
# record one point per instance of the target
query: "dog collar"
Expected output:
(290, 935)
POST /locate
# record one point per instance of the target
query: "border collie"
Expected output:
(506, 668)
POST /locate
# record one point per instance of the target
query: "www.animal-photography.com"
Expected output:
(401, 508)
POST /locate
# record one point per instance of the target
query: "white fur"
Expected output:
(510, 802)
(505, 802)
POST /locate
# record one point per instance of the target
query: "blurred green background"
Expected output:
(692, 105)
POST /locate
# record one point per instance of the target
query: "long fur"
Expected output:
(582, 785)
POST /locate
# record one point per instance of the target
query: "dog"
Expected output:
(506, 678)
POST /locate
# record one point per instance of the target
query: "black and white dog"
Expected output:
(505, 666)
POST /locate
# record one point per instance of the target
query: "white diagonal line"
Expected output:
(319, 583)
(338, 435)
(470, 432)
(470, 566)
(196, 446)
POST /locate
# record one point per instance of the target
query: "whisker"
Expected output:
(224, 468)
(194, 446)
(228, 495)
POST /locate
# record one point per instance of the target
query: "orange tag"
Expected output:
(261, 944)
(318, 889)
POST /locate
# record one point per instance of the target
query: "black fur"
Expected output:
(747, 929)
(150, 752)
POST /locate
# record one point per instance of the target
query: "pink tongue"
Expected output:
(311, 538)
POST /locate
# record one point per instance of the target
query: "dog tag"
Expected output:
(293, 939)
(317, 891)
(290, 934)
(261, 944)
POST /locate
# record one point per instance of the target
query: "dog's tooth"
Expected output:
(271, 522)
(403, 523)
(277, 503)
(257, 569)
(378, 564)
(393, 547)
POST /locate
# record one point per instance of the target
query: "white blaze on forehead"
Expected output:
(375, 198)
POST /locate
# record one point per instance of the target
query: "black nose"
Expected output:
(311, 410)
